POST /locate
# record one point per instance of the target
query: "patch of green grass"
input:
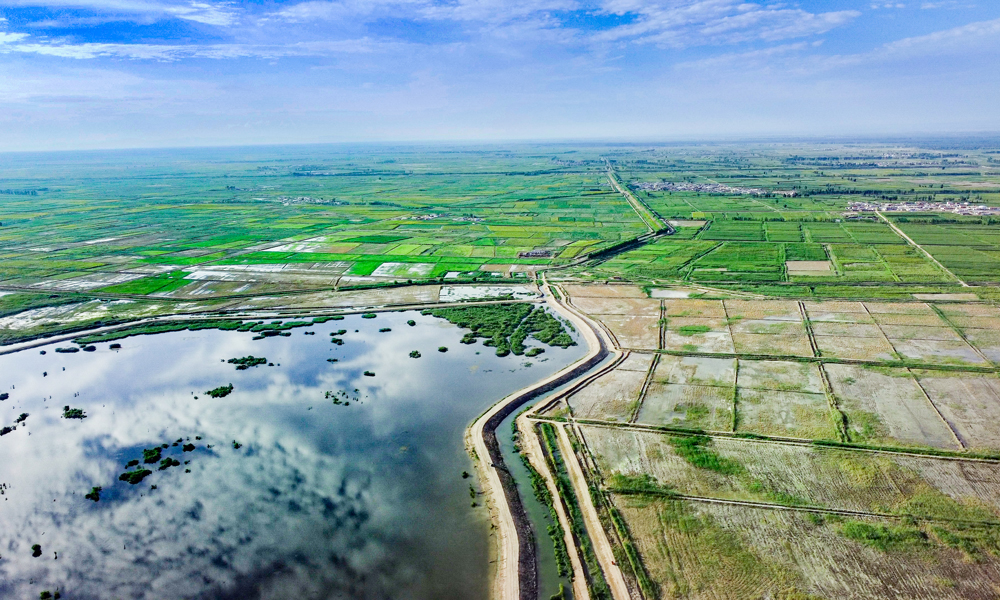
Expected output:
(887, 538)
(689, 330)
(696, 450)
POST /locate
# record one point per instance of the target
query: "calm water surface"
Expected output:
(321, 500)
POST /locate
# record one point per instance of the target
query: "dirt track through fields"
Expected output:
(602, 546)
(900, 233)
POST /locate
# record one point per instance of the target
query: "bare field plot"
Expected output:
(976, 322)
(913, 320)
(899, 308)
(768, 327)
(970, 310)
(612, 396)
(619, 306)
(848, 329)
(987, 341)
(693, 406)
(775, 310)
(860, 348)
(820, 308)
(778, 345)
(634, 331)
(604, 291)
(636, 362)
(695, 308)
(839, 317)
(704, 551)
(780, 375)
(887, 406)
(911, 332)
(785, 414)
(808, 267)
(697, 334)
(970, 403)
(934, 351)
(696, 370)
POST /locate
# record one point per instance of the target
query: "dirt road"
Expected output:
(900, 233)
(602, 546)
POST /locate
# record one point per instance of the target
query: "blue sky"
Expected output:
(149, 73)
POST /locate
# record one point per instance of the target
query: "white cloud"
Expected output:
(961, 39)
(221, 14)
(170, 53)
(10, 38)
(703, 22)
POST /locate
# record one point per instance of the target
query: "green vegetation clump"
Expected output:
(385, 330)
(95, 494)
(534, 351)
(442, 348)
(411, 323)
(319, 320)
(69, 350)
(221, 391)
(187, 448)
(689, 330)
(886, 538)
(134, 477)
(4, 396)
(6, 429)
(47, 595)
(237, 445)
(506, 326)
(342, 397)
(695, 449)
(368, 316)
(168, 462)
(221, 324)
(242, 364)
(369, 373)
(73, 413)
(151, 455)
(21, 418)
(644, 483)
(36, 550)
(415, 354)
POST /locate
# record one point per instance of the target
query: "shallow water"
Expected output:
(321, 500)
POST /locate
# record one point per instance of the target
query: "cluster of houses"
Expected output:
(707, 188)
(958, 208)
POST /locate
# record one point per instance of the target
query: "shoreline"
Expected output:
(516, 574)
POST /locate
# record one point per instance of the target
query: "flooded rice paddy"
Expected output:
(309, 479)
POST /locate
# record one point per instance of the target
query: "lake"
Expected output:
(273, 491)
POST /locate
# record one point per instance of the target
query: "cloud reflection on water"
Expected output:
(334, 501)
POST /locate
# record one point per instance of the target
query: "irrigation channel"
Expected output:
(326, 470)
